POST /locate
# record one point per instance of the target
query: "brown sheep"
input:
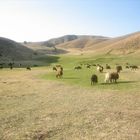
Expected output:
(88, 66)
(127, 67)
(134, 67)
(107, 66)
(118, 68)
(28, 68)
(59, 72)
(77, 67)
(11, 65)
(54, 68)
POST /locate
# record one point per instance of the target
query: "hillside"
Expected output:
(11, 50)
(83, 42)
(120, 45)
(41, 49)
(56, 41)
(88, 44)
(66, 43)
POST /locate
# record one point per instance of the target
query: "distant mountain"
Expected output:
(11, 50)
(56, 41)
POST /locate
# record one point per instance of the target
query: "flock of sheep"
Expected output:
(11, 65)
(110, 77)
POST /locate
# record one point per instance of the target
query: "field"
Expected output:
(34, 105)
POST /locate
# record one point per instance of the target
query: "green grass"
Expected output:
(129, 80)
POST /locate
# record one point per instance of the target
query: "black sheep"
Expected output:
(94, 79)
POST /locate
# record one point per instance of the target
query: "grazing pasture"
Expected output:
(82, 77)
(35, 105)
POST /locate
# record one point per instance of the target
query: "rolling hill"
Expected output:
(56, 41)
(99, 44)
(120, 45)
(11, 50)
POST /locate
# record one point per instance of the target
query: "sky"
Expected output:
(40, 20)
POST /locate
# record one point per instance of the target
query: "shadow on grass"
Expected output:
(120, 82)
(71, 78)
(48, 59)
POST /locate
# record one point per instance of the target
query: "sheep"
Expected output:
(59, 72)
(127, 67)
(54, 68)
(88, 66)
(58, 65)
(100, 68)
(134, 67)
(118, 68)
(94, 79)
(111, 77)
(11, 65)
(28, 68)
(107, 66)
(77, 67)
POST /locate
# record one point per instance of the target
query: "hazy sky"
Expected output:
(38, 20)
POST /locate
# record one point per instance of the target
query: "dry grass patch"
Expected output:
(32, 108)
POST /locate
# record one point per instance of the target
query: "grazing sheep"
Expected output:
(58, 65)
(100, 68)
(107, 66)
(111, 77)
(118, 68)
(59, 72)
(28, 68)
(77, 67)
(94, 79)
(11, 65)
(88, 66)
(54, 68)
(134, 67)
(127, 67)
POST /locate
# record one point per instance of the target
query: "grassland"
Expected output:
(34, 105)
(128, 79)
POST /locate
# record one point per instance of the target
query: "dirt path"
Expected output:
(32, 108)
